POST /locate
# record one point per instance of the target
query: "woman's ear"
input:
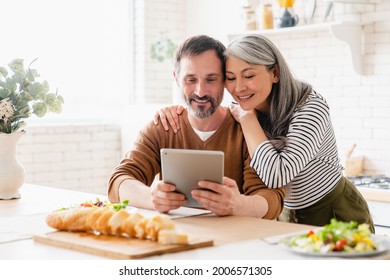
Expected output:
(276, 72)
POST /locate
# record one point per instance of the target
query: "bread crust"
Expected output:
(107, 221)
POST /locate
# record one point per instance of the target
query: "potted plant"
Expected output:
(162, 48)
(21, 96)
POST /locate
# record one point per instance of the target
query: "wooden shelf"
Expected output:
(347, 32)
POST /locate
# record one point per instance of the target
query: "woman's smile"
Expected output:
(245, 97)
(249, 84)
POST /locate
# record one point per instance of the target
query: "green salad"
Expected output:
(335, 237)
(99, 203)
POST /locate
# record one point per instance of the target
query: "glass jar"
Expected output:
(265, 16)
(249, 18)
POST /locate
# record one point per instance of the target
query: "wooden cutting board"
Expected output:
(115, 247)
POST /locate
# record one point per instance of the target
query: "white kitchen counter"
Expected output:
(375, 194)
(378, 201)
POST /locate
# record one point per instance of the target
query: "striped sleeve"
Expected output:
(306, 134)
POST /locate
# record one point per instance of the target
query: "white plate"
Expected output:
(383, 246)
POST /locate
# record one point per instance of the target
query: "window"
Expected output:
(83, 50)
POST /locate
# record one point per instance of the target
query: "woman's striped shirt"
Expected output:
(309, 162)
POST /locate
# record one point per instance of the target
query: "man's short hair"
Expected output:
(197, 45)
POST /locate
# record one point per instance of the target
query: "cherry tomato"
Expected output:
(340, 244)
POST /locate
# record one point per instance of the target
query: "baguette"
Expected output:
(171, 236)
(157, 223)
(107, 221)
(72, 219)
(101, 225)
(116, 221)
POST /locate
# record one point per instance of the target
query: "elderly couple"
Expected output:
(281, 158)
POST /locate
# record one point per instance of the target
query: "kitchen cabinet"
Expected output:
(378, 201)
(348, 32)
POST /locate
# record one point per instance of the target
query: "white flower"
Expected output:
(6, 110)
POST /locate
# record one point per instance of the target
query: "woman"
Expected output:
(289, 134)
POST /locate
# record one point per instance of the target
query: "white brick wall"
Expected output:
(154, 79)
(360, 104)
(75, 156)
(81, 156)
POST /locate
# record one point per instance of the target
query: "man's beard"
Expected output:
(200, 111)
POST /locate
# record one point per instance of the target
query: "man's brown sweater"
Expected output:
(143, 163)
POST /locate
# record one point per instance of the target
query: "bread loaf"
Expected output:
(107, 221)
(171, 236)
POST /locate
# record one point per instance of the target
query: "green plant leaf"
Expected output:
(37, 90)
(11, 84)
(39, 109)
(53, 102)
(162, 48)
(17, 66)
(56, 106)
(31, 75)
(46, 86)
(25, 110)
(60, 98)
(50, 98)
(19, 78)
(27, 94)
(3, 72)
(4, 93)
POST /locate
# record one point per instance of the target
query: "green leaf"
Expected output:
(50, 98)
(59, 98)
(39, 109)
(31, 75)
(46, 86)
(19, 78)
(55, 107)
(3, 72)
(4, 93)
(37, 90)
(11, 84)
(26, 96)
(17, 125)
(26, 93)
(24, 110)
(16, 65)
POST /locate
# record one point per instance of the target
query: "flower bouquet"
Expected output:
(22, 95)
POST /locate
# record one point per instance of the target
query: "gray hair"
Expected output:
(286, 96)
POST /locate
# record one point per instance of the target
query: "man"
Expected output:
(200, 75)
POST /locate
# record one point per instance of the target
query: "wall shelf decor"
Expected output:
(348, 32)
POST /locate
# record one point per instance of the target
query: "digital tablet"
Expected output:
(185, 168)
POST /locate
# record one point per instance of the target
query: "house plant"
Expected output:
(162, 48)
(162, 51)
(21, 96)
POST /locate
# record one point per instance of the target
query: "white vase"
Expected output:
(11, 171)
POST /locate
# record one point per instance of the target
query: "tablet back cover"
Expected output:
(184, 168)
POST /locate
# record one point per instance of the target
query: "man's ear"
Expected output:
(276, 72)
